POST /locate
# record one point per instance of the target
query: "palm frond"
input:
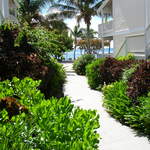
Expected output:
(62, 15)
(97, 5)
(63, 7)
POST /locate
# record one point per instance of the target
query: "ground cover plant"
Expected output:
(93, 74)
(51, 72)
(22, 57)
(81, 62)
(48, 124)
(108, 70)
(111, 70)
(128, 100)
(129, 56)
(139, 83)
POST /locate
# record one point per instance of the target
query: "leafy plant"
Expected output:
(8, 33)
(93, 73)
(111, 70)
(139, 83)
(121, 107)
(49, 44)
(80, 64)
(25, 89)
(128, 57)
(53, 82)
(128, 72)
(115, 99)
(51, 124)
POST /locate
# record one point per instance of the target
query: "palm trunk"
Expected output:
(88, 39)
(75, 48)
(75, 52)
(109, 48)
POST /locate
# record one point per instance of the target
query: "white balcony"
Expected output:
(105, 29)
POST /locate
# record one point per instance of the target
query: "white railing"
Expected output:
(105, 28)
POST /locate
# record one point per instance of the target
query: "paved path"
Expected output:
(114, 135)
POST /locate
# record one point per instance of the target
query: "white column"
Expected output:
(1, 14)
(5, 8)
(102, 32)
(1, 5)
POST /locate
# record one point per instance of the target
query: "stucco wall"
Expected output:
(129, 19)
(147, 33)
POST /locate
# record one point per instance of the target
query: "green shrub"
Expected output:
(139, 83)
(50, 124)
(121, 107)
(93, 73)
(111, 70)
(48, 43)
(80, 64)
(53, 82)
(25, 89)
(8, 33)
(116, 100)
(50, 72)
(128, 72)
(128, 57)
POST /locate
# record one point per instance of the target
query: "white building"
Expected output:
(8, 9)
(147, 26)
(127, 23)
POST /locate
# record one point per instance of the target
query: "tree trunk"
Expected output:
(88, 39)
(75, 48)
(109, 47)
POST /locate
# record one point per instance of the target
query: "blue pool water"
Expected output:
(70, 55)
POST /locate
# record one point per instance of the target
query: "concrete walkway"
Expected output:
(114, 135)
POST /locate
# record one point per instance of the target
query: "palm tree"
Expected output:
(52, 22)
(76, 32)
(79, 8)
(29, 10)
(91, 33)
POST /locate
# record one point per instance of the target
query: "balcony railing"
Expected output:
(105, 28)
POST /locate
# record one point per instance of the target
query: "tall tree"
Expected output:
(79, 8)
(76, 33)
(29, 10)
(91, 33)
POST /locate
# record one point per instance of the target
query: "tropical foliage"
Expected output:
(48, 124)
(29, 11)
(80, 64)
(76, 33)
(93, 73)
(81, 9)
(120, 106)
(48, 43)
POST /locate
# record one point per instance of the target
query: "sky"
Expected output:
(94, 23)
(72, 22)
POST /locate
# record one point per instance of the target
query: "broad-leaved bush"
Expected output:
(49, 124)
(93, 73)
(124, 109)
(81, 62)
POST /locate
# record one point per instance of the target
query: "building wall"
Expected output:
(1, 11)
(147, 32)
(5, 5)
(129, 19)
(0, 4)
(8, 10)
